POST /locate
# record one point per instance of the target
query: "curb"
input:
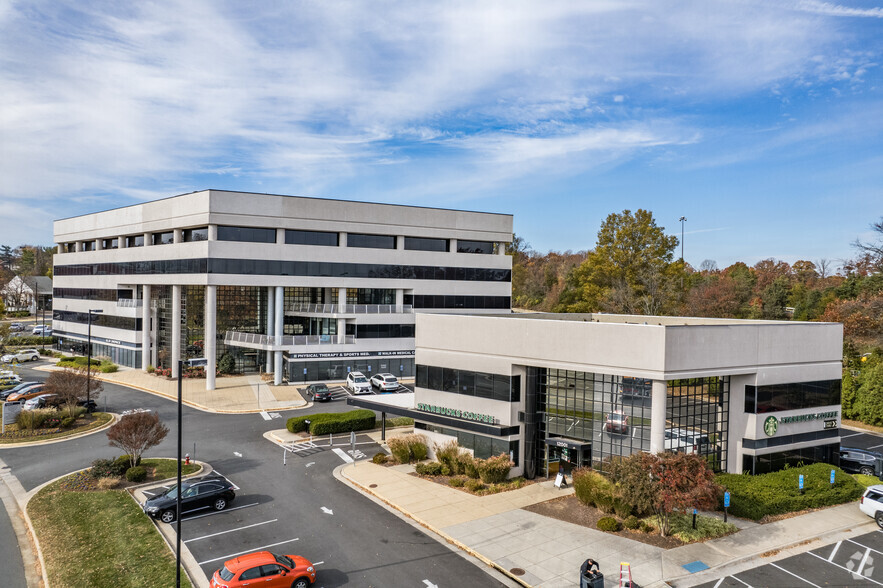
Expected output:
(341, 475)
(107, 425)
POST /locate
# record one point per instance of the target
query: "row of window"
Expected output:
(267, 267)
(109, 295)
(381, 331)
(773, 462)
(292, 237)
(469, 383)
(776, 397)
(482, 447)
(98, 320)
(440, 301)
(790, 439)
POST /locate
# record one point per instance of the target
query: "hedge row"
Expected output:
(754, 497)
(324, 423)
(29, 341)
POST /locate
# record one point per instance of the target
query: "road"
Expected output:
(358, 542)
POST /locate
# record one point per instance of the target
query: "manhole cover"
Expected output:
(372, 486)
(516, 572)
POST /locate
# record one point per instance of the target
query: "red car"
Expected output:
(617, 422)
(265, 569)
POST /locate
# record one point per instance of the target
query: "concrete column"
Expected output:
(78, 246)
(99, 244)
(145, 326)
(213, 232)
(341, 297)
(178, 236)
(280, 301)
(400, 300)
(280, 236)
(176, 328)
(341, 323)
(211, 335)
(453, 245)
(148, 240)
(657, 416)
(400, 242)
(121, 242)
(341, 239)
(271, 322)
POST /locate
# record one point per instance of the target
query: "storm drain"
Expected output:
(517, 572)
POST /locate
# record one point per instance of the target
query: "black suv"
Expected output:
(198, 494)
(861, 461)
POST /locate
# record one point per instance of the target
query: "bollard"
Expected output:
(694, 518)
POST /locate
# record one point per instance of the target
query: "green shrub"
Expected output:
(446, 470)
(67, 422)
(754, 497)
(379, 458)
(608, 524)
(456, 482)
(107, 367)
(34, 419)
(474, 485)
(399, 448)
(150, 369)
(432, 468)
(647, 527)
(515, 483)
(467, 465)
(104, 468)
(400, 422)
(604, 503)
(706, 527)
(622, 509)
(124, 462)
(226, 364)
(417, 447)
(324, 423)
(78, 361)
(494, 470)
(136, 474)
(447, 454)
(591, 487)
(632, 523)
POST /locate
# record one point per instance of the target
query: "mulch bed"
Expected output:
(571, 510)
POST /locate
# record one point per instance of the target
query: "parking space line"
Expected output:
(861, 566)
(217, 473)
(719, 582)
(208, 514)
(740, 580)
(232, 555)
(852, 435)
(230, 531)
(875, 446)
(865, 546)
(795, 575)
(833, 553)
(846, 568)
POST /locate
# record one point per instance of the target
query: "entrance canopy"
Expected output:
(573, 444)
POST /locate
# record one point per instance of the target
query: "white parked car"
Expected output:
(686, 441)
(21, 355)
(8, 377)
(385, 382)
(43, 330)
(36, 402)
(357, 383)
(871, 503)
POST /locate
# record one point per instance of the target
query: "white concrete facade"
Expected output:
(729, 355)
(108, 261)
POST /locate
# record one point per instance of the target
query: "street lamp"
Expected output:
(89, 357)
(682, 219)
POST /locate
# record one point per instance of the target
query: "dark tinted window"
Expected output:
(163, 238)
(251, 574)
(135, 241)
(426, 244)
(88, 245)
(501, 388)
(200, 234)
(109, 243)
(436, 378)
(248, 234)
(226, 574)
(311, 238)
(422, 376)
(486, 247)
(371, 241)
(484, 385)
(778, 397)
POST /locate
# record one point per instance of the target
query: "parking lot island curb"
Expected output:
(114, 418)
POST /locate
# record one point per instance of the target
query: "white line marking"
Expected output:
(847, 569)
(327, 510)
(875, 446)
(230, 531)
(865, 546)
(148, 493)
(275, 415)
(312, 463)
(744, 582)
(318, 563)
(237, 454)
(221, 511)
(343, 455)
(246, 551)
(265, 416)
(864, 561)
(217, 473)
(852, 435)
(833, 553)
(719, 582)
(795, 575)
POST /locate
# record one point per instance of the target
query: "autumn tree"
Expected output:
(872, 252)
(664, 483)
(69, 385)
(629, 271)
(136, 433)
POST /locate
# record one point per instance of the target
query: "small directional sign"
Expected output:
(327, 510)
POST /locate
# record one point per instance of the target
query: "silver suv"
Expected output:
(357, 383)
(686, 441)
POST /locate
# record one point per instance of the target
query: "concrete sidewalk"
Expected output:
(233, 394)
(544, 552)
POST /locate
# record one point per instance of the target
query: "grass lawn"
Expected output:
(13, 435)
(167, 468)
(867, 480)
(99, 538)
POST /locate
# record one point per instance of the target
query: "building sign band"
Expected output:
(456, 413)
(771, 423)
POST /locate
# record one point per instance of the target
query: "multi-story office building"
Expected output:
(305, 288)
(569, 390)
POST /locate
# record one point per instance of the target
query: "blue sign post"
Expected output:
(832, 478)
(800, 483)
(694, 518)
(726, 504)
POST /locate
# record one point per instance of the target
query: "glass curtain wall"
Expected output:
(193, 333)
(243, 309)
(591, 408)
(697, 414)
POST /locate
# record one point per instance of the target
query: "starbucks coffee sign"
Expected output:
(771, 423)
(453, 412)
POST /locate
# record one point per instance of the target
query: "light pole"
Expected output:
(43, 333)
(682, 219)
(89, 357)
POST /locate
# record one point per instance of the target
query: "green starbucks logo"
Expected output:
(770, 426)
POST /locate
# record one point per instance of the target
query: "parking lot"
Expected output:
(852, 562)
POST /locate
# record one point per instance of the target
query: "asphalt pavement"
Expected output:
(358, 542)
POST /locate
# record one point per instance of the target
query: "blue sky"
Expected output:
(760, 121)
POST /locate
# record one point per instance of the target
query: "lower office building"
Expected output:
(566, 390)
(306, 288)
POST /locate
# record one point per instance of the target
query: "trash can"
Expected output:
(590, 575)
